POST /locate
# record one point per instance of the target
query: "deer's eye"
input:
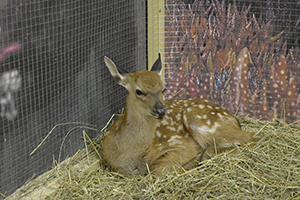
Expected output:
(139, 92)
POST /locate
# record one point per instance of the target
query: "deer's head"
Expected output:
(145, 88)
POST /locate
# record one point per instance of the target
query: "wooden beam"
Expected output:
(156, 31)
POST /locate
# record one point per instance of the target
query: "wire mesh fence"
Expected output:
(52, 72)
(243, 55)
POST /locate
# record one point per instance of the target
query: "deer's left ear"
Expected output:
(157, 66)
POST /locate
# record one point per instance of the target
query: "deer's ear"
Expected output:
(157, 66)
(119, 74)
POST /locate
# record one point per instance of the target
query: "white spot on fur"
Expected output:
(208, 106)
(175, 136)
(185, 105)
(220, 115)
(174, 140)
(171, 121)
(205, 130)
(201, 106)
(158, 134)
(198, 117)
(164, 136)
(217, 107)
(185, 119)
(208, 122)
(205, 116)
(180, 128)
(178, 116)
(189, 109)
(213, 113)
(175, 123)
(170, 111)
(225, 113)
(171, 128)
(164, 122)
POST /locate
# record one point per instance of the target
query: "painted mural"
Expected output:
(228, 55)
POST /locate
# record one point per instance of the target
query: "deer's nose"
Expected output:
(160, 110)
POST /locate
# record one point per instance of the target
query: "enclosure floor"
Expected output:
(46, 184)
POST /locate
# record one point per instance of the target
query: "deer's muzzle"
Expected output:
(159, 111)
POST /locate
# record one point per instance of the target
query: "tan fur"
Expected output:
(185, 135)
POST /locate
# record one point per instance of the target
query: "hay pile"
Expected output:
(270, 171)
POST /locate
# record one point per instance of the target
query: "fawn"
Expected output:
(174, 133)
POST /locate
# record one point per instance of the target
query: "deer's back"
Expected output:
(190, 115)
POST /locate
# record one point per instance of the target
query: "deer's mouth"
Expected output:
(159, 113)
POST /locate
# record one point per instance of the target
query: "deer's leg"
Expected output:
(183, 155)
(211, 151)
(193, 163)
(212, 126)
(224, 140)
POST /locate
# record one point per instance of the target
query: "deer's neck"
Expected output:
(136, 128)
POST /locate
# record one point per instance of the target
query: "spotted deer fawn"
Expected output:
(157, 134)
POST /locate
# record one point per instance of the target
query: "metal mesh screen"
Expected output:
(52, 72)
(243, 55)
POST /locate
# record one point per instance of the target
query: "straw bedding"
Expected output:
(271, 170)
